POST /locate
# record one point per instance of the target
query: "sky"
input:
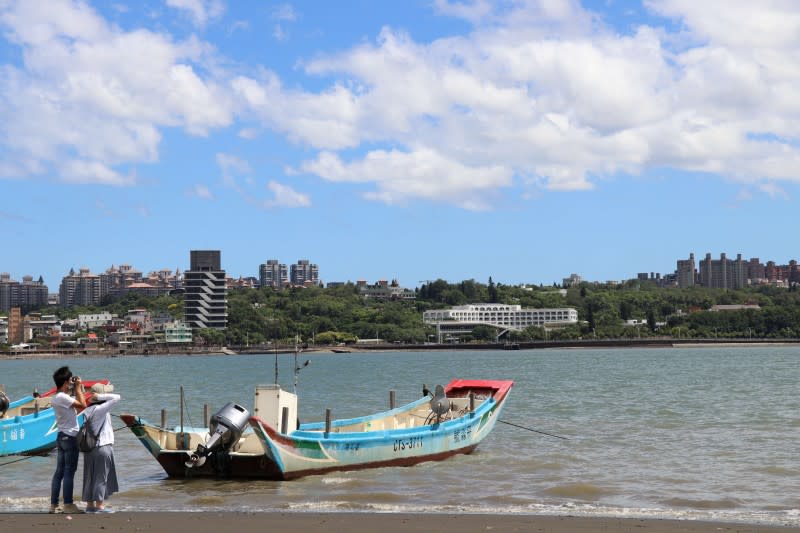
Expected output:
(522, 140)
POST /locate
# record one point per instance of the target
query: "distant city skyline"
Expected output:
(452, 139)
(674, 269)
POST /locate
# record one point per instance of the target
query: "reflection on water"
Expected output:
(696, 433)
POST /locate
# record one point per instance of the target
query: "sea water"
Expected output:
(709, 433)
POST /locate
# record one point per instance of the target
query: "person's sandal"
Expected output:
(71, 508)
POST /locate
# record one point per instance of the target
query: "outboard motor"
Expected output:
(439, 403)
(225, 429)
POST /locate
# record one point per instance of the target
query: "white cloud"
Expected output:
(736, 24)
(237, 175)
(285, 196)
(424, 173)
(475, 11)
(248, 133)
(543, 91)
(280, 34)
(539, 94)
(773, 190)
(81, 95)
(86, 172)
(231, 164)
(200, 11)
(201, 191)
(284, 12)
(232, 168)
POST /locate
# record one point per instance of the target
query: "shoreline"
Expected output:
(101, 353)
(212, 522)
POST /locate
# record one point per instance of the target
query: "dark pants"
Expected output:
(65, 468)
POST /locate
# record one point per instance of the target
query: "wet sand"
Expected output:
(215, 522)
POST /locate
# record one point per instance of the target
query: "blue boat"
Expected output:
(28, 425)
(458, 417)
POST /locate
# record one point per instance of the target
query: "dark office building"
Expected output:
(205, 302)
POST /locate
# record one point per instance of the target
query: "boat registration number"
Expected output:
(406, 444)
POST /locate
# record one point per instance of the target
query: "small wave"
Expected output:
(581, 491)
(208, 500)
(36, 503)
(782, 518)
(336, 480)
(724, 503)
(778, 471)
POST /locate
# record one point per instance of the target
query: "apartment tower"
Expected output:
(273, 274)
(304, 273)
(82, 288)
(686, 272)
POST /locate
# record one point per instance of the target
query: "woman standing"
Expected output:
(99, 470)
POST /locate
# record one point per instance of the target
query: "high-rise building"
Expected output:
(32, 294)
(9, 292)
(756, 271)
(723, 273)
(686, 273)
(783, 274)
(16, 334)
(273, 274)
(205, 302)
(28, 295)
(303, 273)
(116, 279)
(82, 288)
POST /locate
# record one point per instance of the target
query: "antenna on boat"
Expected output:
(296, 366)
(276, 361)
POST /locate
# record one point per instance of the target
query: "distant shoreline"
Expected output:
(107, 352)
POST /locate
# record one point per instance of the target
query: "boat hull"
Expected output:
(32, 430)
(158, 441)
(304, 453)
(30, 434)
(310, 451)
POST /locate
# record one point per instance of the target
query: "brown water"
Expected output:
(697, 433)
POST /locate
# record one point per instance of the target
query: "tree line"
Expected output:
(341, 314)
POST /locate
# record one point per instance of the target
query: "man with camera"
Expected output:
(65, 406)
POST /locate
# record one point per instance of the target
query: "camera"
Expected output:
(73, 379)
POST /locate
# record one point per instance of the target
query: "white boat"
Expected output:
(454, 420)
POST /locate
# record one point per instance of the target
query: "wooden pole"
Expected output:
(284, 420)
(391, 399)
(164, 419)
(327, 422)
(181, 436)
(205, 415)
(471, 403)
(181, 412)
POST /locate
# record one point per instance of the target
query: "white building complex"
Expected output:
(463, 318)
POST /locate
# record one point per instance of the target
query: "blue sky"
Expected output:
(523, 140)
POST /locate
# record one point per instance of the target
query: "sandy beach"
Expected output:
(207, 522)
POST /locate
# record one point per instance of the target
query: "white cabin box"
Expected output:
(269, 403)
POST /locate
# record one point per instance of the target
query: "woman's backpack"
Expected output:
(87, 441)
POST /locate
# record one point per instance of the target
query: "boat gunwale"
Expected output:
(500, 388)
